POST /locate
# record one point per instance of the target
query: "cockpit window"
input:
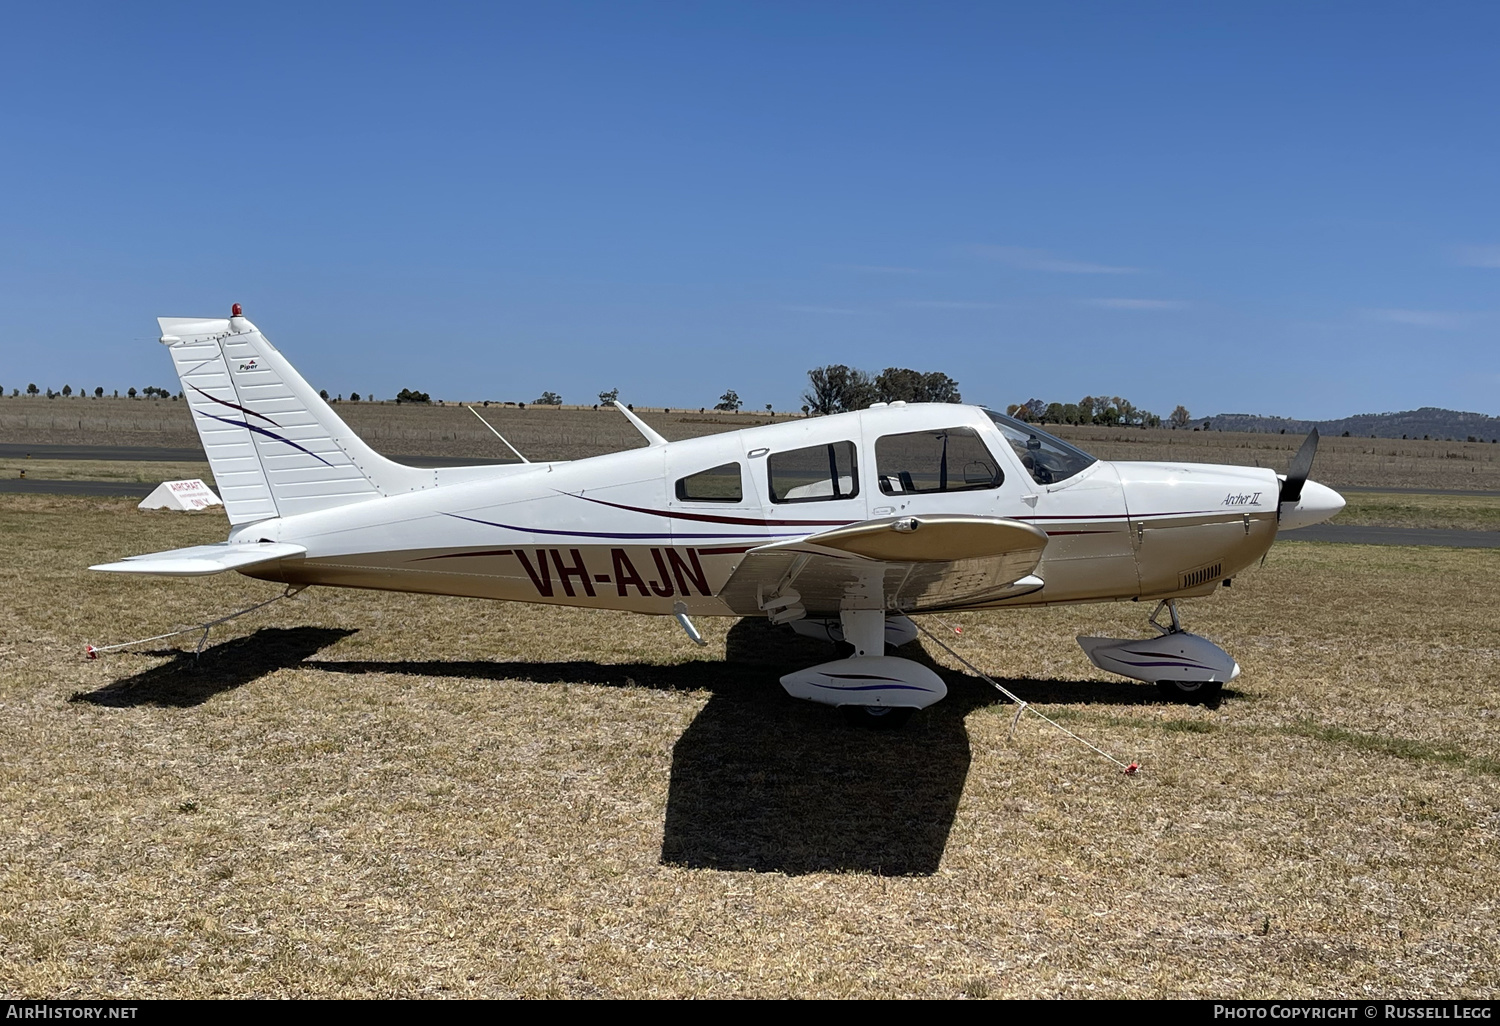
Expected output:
(945, 460)
(1047, 459)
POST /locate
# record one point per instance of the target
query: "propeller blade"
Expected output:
(1301, 466)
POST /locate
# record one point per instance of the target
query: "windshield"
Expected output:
(1047, 459)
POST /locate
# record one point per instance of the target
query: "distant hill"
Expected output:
(1429, 422)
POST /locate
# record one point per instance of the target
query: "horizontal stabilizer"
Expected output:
(201, 560)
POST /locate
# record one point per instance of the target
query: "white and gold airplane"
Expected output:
(842, 526)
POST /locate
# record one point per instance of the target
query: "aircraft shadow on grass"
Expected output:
(764, 782)
(760, 781)
(185, 681)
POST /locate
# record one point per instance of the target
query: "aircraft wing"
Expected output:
(908, 563)
(201, 560)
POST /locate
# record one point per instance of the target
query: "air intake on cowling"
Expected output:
(1194, 578)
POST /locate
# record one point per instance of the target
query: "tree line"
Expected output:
(150, 392)
(834, 388)
(1115, 411)
(837, 388)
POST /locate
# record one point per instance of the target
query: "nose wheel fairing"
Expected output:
(1181, 657)
(1184, 665)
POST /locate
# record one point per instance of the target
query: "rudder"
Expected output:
(275, 447)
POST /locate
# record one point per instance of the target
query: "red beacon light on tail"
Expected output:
(235, 311)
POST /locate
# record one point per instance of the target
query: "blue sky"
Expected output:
(1276, 208)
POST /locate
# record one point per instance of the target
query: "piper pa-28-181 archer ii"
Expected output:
(841, 526)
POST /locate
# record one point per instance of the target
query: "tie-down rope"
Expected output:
(1022, 706)
(93, 651)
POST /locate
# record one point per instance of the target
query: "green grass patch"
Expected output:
(1394, 747)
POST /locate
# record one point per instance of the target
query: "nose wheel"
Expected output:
(1186, 691)
(1183, 666)
(1190, 692)
(1176, 690)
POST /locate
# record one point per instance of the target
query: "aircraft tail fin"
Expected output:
(275, 446)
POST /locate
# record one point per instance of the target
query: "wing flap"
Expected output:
(202, 560)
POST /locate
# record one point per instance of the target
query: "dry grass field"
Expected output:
(571, 433)
(372, 794)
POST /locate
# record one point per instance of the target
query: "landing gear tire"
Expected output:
(1190, 691)
(876, 717)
